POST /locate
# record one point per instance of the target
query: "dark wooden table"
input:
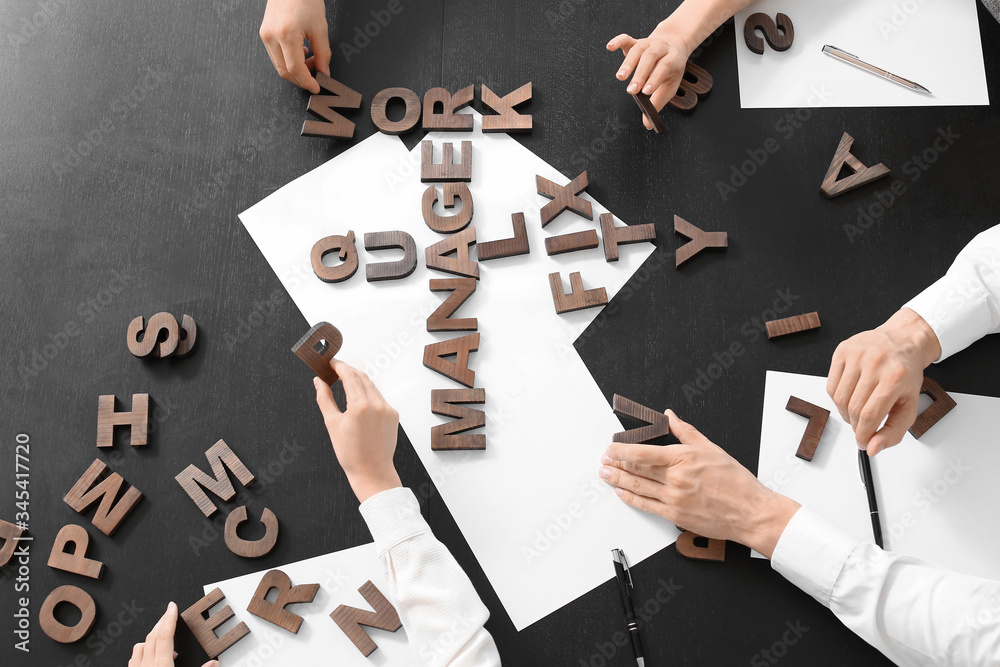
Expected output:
(134, 133)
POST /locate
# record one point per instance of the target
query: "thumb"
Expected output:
(319, 40)
(900, 419)
(211, 663)
(324, 399)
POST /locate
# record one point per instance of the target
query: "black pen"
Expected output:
(865, 465)
(621, 572)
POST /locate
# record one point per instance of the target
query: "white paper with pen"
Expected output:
(936, 45)
(936, 495)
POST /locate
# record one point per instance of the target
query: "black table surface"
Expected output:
(134, 133)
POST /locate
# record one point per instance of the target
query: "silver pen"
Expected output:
(851, 59)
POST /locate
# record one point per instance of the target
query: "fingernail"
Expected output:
(647, 90)
(604, 473)
(619, 492)
(611, 43)
(860, 446)
(633, 88)
(171, 606)
(316, 382)
(606, 460)
(621, 74)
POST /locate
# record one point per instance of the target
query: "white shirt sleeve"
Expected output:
(914, 612)
(964, 305)
(440, 610)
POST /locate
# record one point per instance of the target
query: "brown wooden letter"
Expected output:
(461, 289)
(446, 119)
(410, 117)
(76, 560)
(452, 435)
(458, 370)
(779, 36)
(659, 425)
(275, 612)
(108, 418)
(699, 240)
(64, 634)
(9, 533)
(942, 405)
(322, 106)
(251, 548)
(578, 298)
(516, 245)
(688, 547)
(817, 417)
(557, 245)
(447, 224)
(564, 197)
(203, 628)
(616, 236)
(188, 337)
(220, 457)
(344, 247)
(695, 84)
(447, 170)
(790, 325)
(350, 619)
(317, 348)
(508, 120)
(862, 175)
(650, 112)
(160, 325)
(438, 256)
(391, 270)
(88, 491)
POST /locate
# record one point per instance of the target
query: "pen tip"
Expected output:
(923, 90)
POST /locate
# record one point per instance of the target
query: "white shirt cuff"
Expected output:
(811, 553)
(956, 310)
(393, 516)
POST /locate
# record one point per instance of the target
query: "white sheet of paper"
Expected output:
(319, 640)
(933, 493)
(531, 506)
(935, 44)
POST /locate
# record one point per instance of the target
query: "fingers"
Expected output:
(871, 413)
(837, 367)
(859, 402)
(644, 503)
(295, 67)
(653, 472)
(631, 60)
(354, 388)
(165, 635)
(319, 40)
(324, 399)
(845, 389)
(659, 76)
(136, 658)
(211, 663)
(626, 480)
(901, 418)
(650, 56)
(647, 455)
(624, 42)
(684, 432)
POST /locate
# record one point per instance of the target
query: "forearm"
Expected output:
(695, 20)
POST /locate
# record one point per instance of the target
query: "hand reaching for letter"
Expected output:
(658, 63)
(287, 24)
(158, 649)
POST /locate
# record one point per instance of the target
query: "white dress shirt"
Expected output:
(440, 610)
(914, 612)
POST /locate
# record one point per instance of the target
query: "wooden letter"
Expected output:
(9, 533)
(64, 634)
(108, 418)
(461, 289)
(317, 348)
(517, 245)
(942, 405)
(350, 619)
(616, 236)
(659, 425)
(322, 106)
(564, 197)
(188, 337)
(275, 612)
(391, 270)
(458, 370)
(779, 37)
(447, 436)
(650, 112)
(447, 170)
(438, 257)
(862, 175)
(220, 457)
(688, 547)
(410, 117)
(87, 491)
(508, 120)
(577, 298)
(447, 224)
(74, 561)
(160, 325)
(790, 325)
(446, 118)
(695, 84)
(343, 246)
(204, 628)
(699, 240)
(817, 417)
(251, 548)
(557, 245)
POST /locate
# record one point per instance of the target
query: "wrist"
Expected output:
(763, 529)
(914, 336)
(367, 485)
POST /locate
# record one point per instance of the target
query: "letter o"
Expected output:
(62, 633)
(410, 117)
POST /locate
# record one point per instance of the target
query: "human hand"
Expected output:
(363, 435)
(697, 485)
(287, 24)
(158, 649)
(656, 64)
(878, 373)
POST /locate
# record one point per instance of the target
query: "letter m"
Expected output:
(220, 457)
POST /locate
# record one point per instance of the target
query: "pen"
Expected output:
(621, 572)
(865, 465)
(851, 59)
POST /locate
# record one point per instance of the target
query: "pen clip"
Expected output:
(840, 50)
(861, 467)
